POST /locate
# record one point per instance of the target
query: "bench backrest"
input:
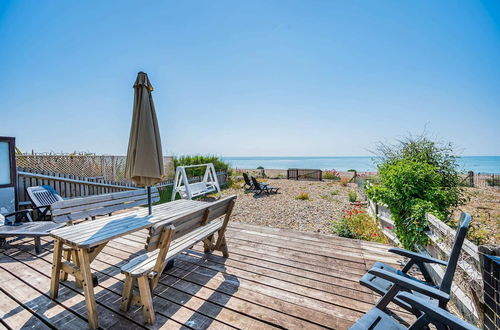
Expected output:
(247, 179)
(187, 222)
(92, 206)
(43, 195)
(256, 183)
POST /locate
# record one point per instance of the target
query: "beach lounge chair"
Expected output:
(249, 183)
(259, 188)
(42, 197)
(377, 318)
(386, 280)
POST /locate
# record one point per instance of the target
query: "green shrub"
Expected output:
(334, 193)
(220, 165)
(357, 223)
(260, 168)
(352, 196)
(417, 176)
(303, 196)
(330, 175)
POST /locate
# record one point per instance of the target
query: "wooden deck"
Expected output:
(274, 278)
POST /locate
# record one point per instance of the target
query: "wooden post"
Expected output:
(471, 178)
(489, 261)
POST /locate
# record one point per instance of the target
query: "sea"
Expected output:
(482, 164)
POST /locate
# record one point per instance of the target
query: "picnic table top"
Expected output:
(93, 233)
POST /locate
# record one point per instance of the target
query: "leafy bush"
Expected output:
(352, 196)
(331, 175)
(334, 193)
(344, 182)
(357, 223)
(418, 176)
(260, 168)
(220, 165)
(303, 196)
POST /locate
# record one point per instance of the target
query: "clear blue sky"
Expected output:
(244, 78)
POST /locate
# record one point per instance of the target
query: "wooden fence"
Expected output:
(482, 180)
(304, 174)
(467, 293)
(107, 167)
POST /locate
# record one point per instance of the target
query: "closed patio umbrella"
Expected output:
(144, 156)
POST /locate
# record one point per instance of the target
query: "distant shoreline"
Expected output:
(484, 164)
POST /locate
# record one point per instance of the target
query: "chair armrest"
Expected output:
(417, 256)
(410, 284)
(437, 314)
(23, 212)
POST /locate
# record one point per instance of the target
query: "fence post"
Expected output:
(489, 261)
(471, 178)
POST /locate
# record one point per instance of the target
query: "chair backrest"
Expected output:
(43, 195)
(247, 179)
(191, 220)
(92, 206)
(463, 226)
(256, 183)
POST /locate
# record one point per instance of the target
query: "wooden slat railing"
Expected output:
(466, 291)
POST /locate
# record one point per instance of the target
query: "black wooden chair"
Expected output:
(377, 318)
(387, 281)
(259, 188)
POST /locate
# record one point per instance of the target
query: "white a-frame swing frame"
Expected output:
(187, 190)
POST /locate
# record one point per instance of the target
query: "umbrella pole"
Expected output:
(150, 207)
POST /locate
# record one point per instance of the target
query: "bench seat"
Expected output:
(143, 264)
(167, 239)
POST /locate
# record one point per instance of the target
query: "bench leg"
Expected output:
(208, 244)
(223, 247)
(146, 299)
(76, 261)
(128, 290)
(56, 269)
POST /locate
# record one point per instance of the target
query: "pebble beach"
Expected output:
(283, 210)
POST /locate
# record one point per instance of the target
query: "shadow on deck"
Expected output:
(273, 278)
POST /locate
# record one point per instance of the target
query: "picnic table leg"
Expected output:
(67, 256)
(56, 269)
(88, 287)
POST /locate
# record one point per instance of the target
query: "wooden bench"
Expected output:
(89, 207)
(167, 239)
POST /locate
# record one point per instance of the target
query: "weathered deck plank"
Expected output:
(273, 278)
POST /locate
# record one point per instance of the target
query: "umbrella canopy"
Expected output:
(144, 156)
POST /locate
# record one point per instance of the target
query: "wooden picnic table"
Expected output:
(87, 239)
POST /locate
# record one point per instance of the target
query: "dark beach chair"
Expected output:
(259, 188)
(249, 184)
(377, 319)
(387, 281)
(42, 197)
